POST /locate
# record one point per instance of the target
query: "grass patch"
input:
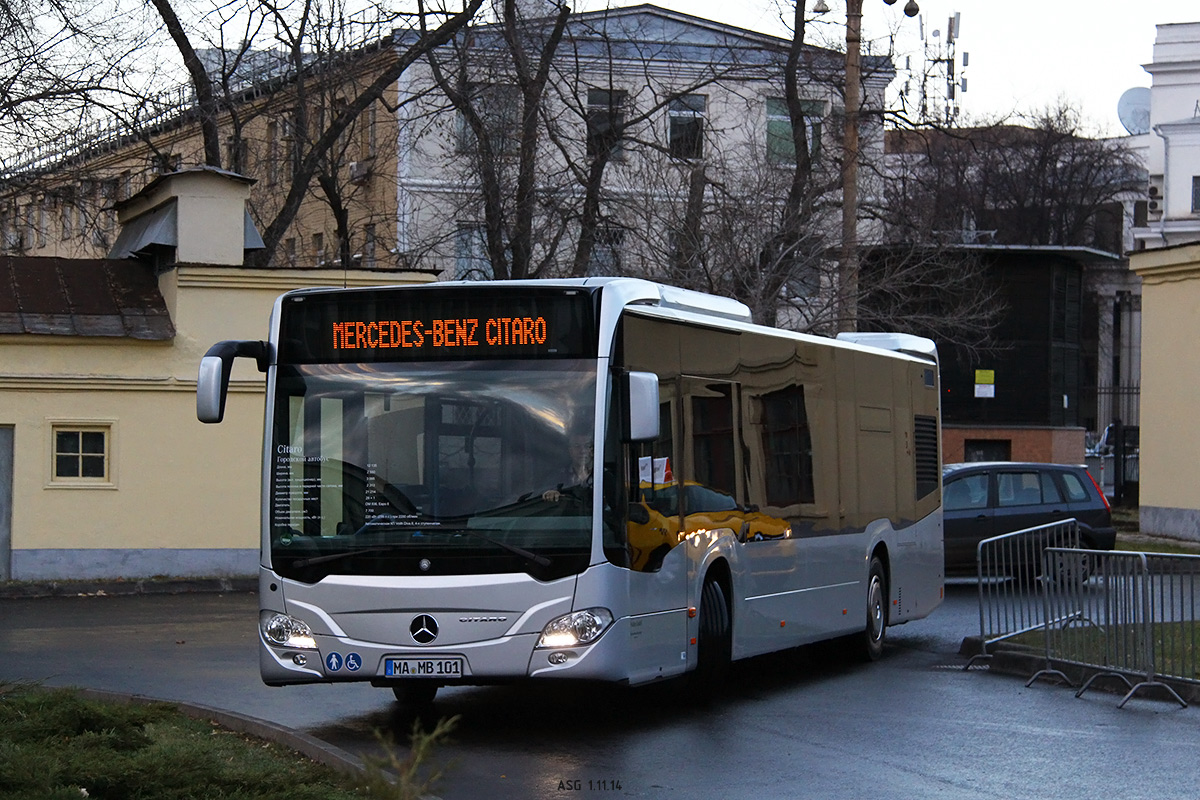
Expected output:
(1176, 645)
(55, 744)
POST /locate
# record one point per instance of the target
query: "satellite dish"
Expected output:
(1133, 109)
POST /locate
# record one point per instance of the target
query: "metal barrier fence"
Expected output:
(1122, 614)
(1008, 568)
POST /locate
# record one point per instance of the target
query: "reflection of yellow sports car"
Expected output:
(706, 509)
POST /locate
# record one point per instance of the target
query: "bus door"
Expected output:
(711, 491)
(715, 497)
(654, 527)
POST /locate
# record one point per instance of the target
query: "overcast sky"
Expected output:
(1024, 56)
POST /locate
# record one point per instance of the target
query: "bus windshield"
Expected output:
(432, 469)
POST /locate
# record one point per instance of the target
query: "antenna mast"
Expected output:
(942, 79)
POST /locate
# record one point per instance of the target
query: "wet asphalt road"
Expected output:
(795, 725)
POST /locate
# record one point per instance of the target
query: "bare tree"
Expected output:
(61, 61)
(495, 81)
(1043, 182)
(326, 101)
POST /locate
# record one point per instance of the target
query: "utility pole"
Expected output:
(847, 317)
(848, 266)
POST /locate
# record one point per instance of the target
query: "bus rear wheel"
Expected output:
(877, 612)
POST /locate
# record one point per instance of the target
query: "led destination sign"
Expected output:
(419, 324)
(440, 333)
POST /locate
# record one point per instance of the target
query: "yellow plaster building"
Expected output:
(1170, 429)
(104, 470)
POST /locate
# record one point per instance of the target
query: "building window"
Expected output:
(368, 145)
(106, 216)
(987, 450)
(236, 154)
(498, 106)
(272, 155)
(318, 248)
(1195, 194)
(471, 262)
(288, 146)
(780, 147)
(686, 125)
(28, 241)
(369, 246)
(289, 249)
(10, 238)
(66, 208)
(163, 163)
(605, 121)
(606, 252)
(81, 453)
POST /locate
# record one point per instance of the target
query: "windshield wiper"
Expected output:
(541, 561)
(534, 558)
(325, 559)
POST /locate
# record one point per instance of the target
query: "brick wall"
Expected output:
(1054, 445)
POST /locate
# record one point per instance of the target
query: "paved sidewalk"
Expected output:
(193, 647)
(10, 590)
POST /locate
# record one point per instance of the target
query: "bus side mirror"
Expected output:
(643, 406)
(212, 382)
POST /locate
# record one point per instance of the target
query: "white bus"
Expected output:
(602, 479)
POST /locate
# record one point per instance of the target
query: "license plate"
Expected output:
(436, 667)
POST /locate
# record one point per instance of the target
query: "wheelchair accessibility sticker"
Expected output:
(352, 662)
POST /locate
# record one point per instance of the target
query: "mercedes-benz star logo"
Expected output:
(424, 629)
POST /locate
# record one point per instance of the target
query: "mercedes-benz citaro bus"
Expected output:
(602, 479)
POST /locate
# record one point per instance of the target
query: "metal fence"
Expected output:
(1008, 568)
(1123, 614)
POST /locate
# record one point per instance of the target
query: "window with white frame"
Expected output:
(368, 143)
(471, 262)
(781, 149)
(685, 116)
(368, 258)
(318, 248)
(271, 158)
(605, 260)
(81, 453)
(605, 121)
(498, 107)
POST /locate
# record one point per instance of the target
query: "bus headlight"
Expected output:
(285, 631)
(576, 628)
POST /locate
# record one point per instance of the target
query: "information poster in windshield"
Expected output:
(420, 324)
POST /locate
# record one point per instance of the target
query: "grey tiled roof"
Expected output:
(82, 297)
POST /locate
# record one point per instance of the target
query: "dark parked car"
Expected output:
(985, 499)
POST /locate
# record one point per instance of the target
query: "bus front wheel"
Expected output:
(715, 646)
(877, 611)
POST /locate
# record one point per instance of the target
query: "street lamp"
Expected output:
(847, 318)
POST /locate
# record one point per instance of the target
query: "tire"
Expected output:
(715, 643)
(875, 632)
(1070, 570)
(416, 694)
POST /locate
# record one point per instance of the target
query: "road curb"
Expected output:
(26, 590)
(1024, 662)
(308, 746)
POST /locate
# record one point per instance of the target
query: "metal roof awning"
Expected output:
(154, 228)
